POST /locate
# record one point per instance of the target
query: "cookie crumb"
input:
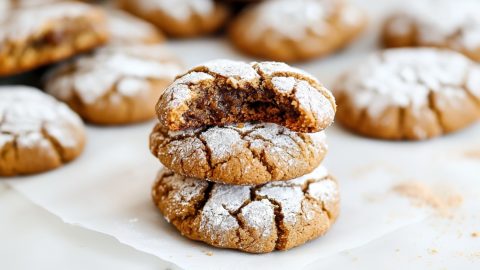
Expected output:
(208, 253)
(475, 234)
(422, 195)
(433, 251)
(472, 154)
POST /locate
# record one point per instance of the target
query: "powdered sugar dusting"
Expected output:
(326, 191)
(292, 19)
(222, 142)
(129, 66)
(290, 200)
(404, 77)
(26, 113)
(272, 69)
(179, 9)
(22, 23)
(260, 216)
(442, 22)
(236, 69)
(125, 28)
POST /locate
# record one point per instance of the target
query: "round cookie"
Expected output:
(180, 18)
(247, 154)
(223, 92)
(410, 94)
(37, 133)
(32, 37)
(255, 219)
(438, 23)
(127, 29)
(285, 30)
(115, 84)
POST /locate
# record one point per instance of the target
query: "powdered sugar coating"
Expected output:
(126, 29)
(293, 19)
(406, 77)
(251, 153)
(126, 70)
(179, 9)
(27, 115)
(22, 23)
(314, 103)
(441, 22)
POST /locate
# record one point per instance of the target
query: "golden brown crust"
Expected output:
(249, 154)
(255, 219)
(41, 35)
(195, 24)
(250, 35)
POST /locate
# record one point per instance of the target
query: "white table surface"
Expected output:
(32, 238)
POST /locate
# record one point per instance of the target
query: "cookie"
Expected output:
(127, 29)
(116, 84)
(285, 30)
(410, 94)
(255, 219)
(223, 92)
(37, 133)
(246, 154)
(180, 18)
(436, 23)
(40, 35)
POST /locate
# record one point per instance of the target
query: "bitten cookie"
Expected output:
(410, 94)
(37, 133)
(439, 23)
(246, 154)
(180, 18)
(222, 92)
(256, 219)
(32, 37)
(115, 84)
(127, 29)
(286, 30)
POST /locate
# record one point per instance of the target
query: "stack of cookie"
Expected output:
(242, 146)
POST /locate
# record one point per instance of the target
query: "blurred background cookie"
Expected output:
(37, 133)
(180, 18)
(439, 23)
(32, 37)
(285, 30)
(116, 84)
(127, 29)
(410, 94)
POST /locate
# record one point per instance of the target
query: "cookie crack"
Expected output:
(305, 188)
(432, 105)
(57, 147)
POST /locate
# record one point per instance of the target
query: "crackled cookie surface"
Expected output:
(440, 23)
(35, 36)
(116, 84)
(247, 154)
(224, 92)
(127, 29)
(180, 18)
(285, 30)
(410, 94)
(37, 133)
(256, 219)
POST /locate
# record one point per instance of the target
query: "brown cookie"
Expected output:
(286, 30)
(248, 154)
(127, 29)
(116, 84)
(224, 92)
(180, 18)
(436, 23)
(36, 36)
(37, 133)
(255, 219)
(410, 94)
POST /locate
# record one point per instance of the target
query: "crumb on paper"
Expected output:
(475, 234)
(472, 154)
(422, 195)
(208, 253)
(433, 251)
